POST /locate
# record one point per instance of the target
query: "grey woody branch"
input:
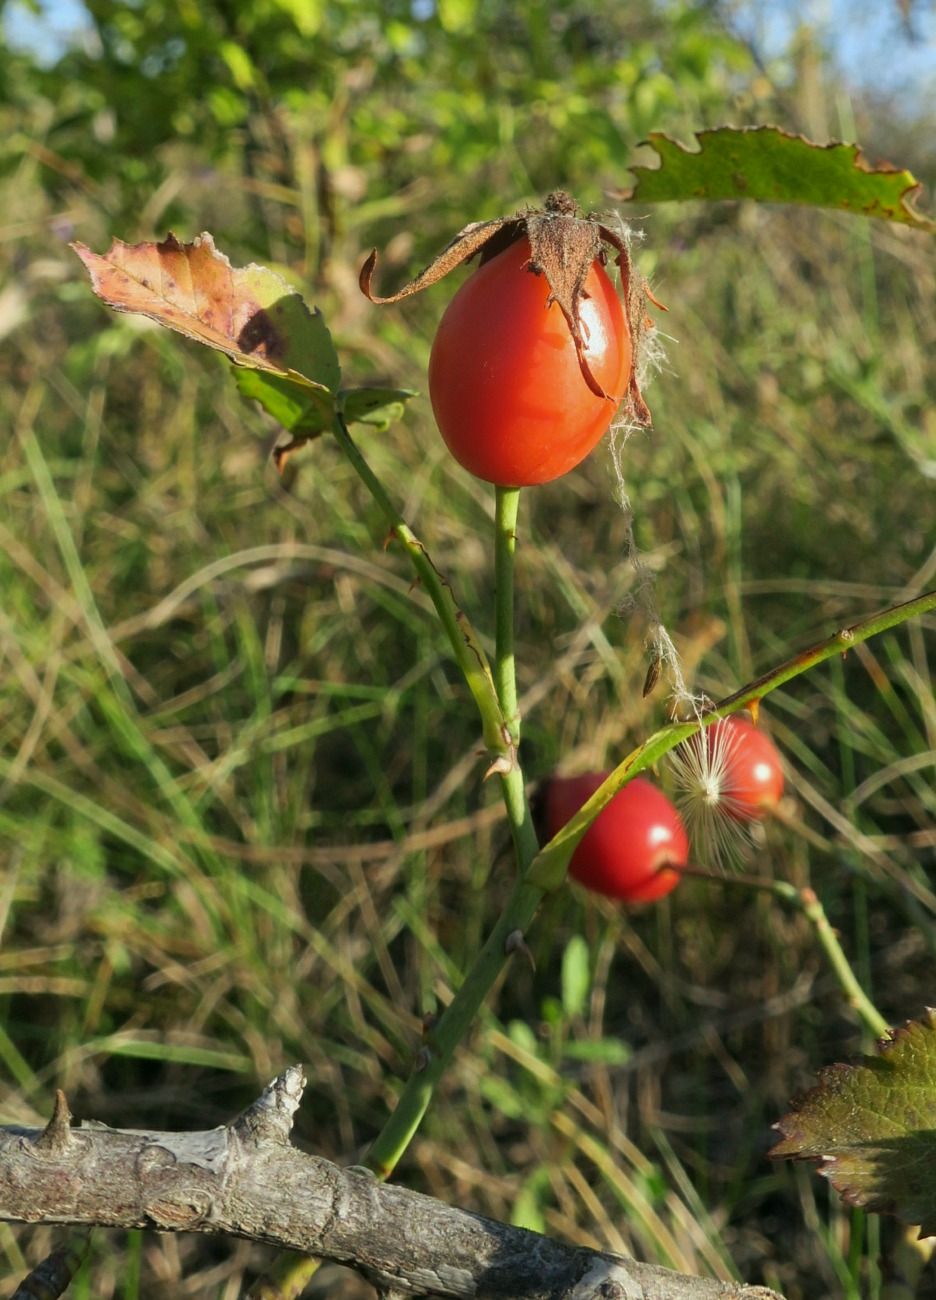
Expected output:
(245, 1179)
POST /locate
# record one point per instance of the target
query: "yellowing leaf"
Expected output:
(249, 313)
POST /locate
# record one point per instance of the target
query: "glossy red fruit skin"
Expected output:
(506, 386)
(625, 851)
(753, 777)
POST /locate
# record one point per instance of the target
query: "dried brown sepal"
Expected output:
(282, 453)
(636, 295)
(563, 246)
(653, 676)
(465, 244)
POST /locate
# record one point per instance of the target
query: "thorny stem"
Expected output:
(445, 1036)
(496, 697)
(463, 639)
(496, 704)
(507, 502)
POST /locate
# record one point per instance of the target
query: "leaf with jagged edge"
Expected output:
(771, 165)
(872, 1127)
(249, 313)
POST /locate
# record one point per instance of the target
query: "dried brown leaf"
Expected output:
(249, 313)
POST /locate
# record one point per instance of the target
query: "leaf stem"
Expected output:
(807, 901)
(466, 645)
(507, 502)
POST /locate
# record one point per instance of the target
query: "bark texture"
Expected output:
(246, 1180)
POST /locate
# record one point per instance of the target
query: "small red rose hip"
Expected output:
(631, 847)
(728, 776)
(746, 767)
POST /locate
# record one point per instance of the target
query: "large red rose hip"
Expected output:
(505, 377)
(536, 351)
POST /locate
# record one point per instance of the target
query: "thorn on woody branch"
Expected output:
(56, 1137)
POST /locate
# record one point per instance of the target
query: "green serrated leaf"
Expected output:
(873, 1127)
(310, 351)
(576, 976)
(378, 407)
(774, 166)
(305, 410)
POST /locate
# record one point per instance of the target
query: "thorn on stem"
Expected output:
(56, 1137)
(282, 454)
(269, 1118)
(503, 764)
(516, 943)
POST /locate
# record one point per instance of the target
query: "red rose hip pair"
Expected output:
(637, 844)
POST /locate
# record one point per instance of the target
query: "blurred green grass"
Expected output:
(240, 799)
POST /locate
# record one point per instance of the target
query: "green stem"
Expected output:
(808, 903)
(286, 1278)
(507, 502)
(496, 696)
(466, 646)
(447, 1033)
(549, 869)
(450, 1029)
